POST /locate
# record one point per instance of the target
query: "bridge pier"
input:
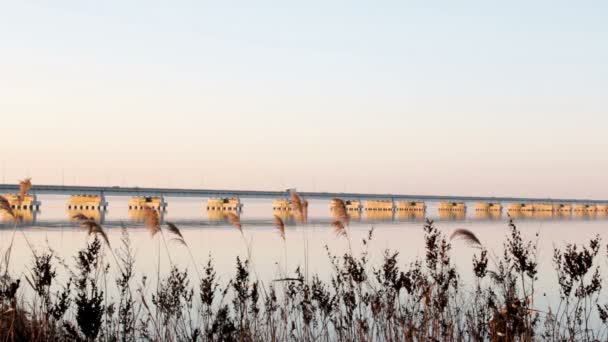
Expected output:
(585, 210)
(24, 208)
(452, 210)
(91, 206)
(353, 208)
(601, 209)
(87, 202)
(452, 206)
(142, 202)
(224, 204)
(379, 210)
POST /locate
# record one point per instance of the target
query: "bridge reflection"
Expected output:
(32, 217)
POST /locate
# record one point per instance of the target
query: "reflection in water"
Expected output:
(410, 215)
(218, 208)
(449, 215)
(488, 215)
(488, 211)
(377, 216)
(155, 202)
(137, 215)
(22, 216)
(378, 210)
(354, 215)
(452, 211)
(25, 208)
(94, 214)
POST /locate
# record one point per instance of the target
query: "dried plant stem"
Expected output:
(162, 234)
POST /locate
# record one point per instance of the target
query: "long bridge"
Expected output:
(207, 193)
(92, 201)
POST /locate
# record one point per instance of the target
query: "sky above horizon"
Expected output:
(459, 98)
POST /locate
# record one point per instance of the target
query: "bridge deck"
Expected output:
(176, 192)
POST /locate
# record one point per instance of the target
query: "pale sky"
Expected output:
(418, 97)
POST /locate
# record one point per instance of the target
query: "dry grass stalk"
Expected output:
(280, 226)
(467, 236)
(151, 220)
(304, 210)
(234, 220)
(24, 187)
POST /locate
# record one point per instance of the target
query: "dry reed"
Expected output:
(339, 228)
(280, 226)
(172, 228)
(235, 221)
(339, 211)
(24, 187)
(467, 236)
(5, 206)
(151, 220)
(296, 206)
(304, 211)
(91, 226)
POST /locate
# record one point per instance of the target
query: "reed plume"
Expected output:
(151, 221)
(467, 236)
(340, 211)
(80, 217)
(280, 226)
(339, 228)
(234, 220)
(5, 206)
(24, 187)
(296, 205)
(172, 228)
(92, 227)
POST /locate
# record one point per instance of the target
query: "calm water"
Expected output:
(223, 242)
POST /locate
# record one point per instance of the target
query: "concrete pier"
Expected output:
(224, 204)
(282, 204)
(351, 205)
(488, 207)
(142, 202)
(91, 206)
(378, 205)
(585, 210)
(404, 206)
(29, 202)
(520, 207)
(86, 202)
(452, 207)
